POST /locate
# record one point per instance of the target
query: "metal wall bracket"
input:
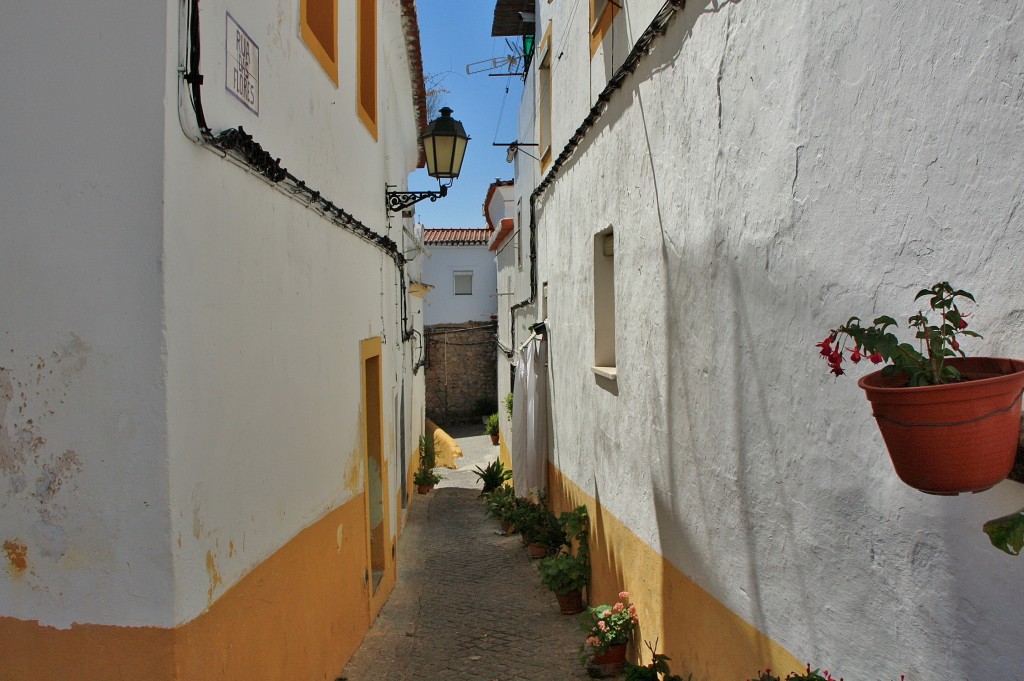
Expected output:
(397, 201)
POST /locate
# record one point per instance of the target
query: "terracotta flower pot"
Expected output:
(953, 438)
(494, 439)
(423, 489)
(570, 603)
(610, 663)
(537, 551)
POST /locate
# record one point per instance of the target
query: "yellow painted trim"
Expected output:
(329, 63)
(699, 633)
(366, 63)
(504, 455)
(368, 349)
(599, 26)
(300, 614)
(544, 52)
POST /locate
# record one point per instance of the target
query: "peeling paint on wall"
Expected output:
(211, 570)
(38, 477)
(17, 556)
(354, 476)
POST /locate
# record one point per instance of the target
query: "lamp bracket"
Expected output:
(397, 201)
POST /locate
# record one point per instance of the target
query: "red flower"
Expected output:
(955, 345)
(962, 324)
(826, 345)
(855, 355)
(875, 357)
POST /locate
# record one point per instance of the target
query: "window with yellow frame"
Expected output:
(319, 30)
(602, 14)
(544, 99)
(366, 64)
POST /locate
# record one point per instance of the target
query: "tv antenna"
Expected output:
(509, 63)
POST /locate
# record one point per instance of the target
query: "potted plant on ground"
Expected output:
(566, 575)
(608, 628)
(538, 527)
(492, 476)
(492, 428)
(950, 422)
(501, 504)
(425, 478)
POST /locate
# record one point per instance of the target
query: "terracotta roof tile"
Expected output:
(456, 237)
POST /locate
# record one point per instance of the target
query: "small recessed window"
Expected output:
(462, 283)
(319, 29)
(366, 64)
(544, 100)
(602, 14)
(604, 304)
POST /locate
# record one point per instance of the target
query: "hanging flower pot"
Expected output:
(956, 437)
(950, 422)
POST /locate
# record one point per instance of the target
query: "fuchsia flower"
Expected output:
(920, 363)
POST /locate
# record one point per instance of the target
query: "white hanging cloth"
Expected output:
(530, 420)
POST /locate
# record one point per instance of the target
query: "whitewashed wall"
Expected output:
(769, 171)
(179, 374)
(442, 306)
(83, 472)
(268, 301)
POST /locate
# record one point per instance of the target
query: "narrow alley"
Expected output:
(469, 603)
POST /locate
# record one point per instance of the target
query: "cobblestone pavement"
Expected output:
(469, 604)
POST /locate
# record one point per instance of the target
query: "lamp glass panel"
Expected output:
(444, 147)
(459, 155)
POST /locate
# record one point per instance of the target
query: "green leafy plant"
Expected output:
(508, 405)
(607, 625)
(923, 365)
(1007, 533)
(491, 427)
(428, 456)
(501, 503)
(657, 670)
(564, 573)
(425, 475)
(492, 476)
(538, 525)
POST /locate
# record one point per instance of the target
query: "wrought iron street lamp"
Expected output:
(445, 145)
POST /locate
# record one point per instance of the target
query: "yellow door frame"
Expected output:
(369, 349)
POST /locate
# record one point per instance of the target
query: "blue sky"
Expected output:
(452, 35)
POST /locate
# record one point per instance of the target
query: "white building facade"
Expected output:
(719, 185)
(210, 391)
(462, 275)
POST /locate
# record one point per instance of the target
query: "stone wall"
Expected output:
(461, 371)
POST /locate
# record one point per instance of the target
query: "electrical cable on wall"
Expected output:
(657, 27)
(240, 147)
